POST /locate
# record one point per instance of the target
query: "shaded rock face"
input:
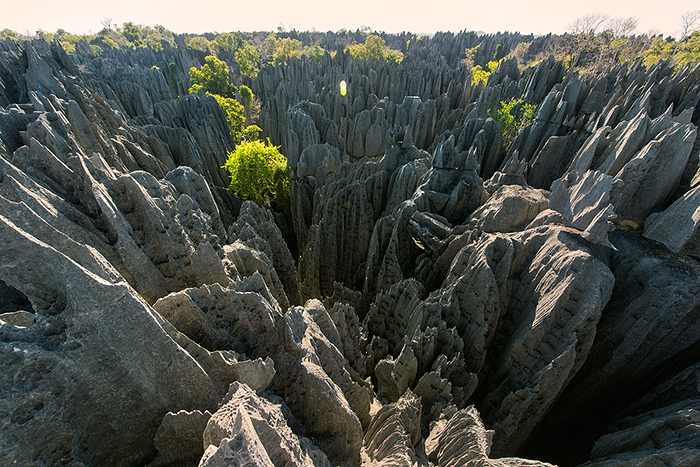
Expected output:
(453, 303)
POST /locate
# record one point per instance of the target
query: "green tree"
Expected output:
(132, 33)
(212, 78)
(469, 56)
(688, 52)
(315, 51)
(259, 172)
(227, 42)
(199, 43)
(247, 101)
(499, 52)
(252, 132)
(480, 73)
(234, 115)
(375, 48)
(513, 115)
(248, 59)
(5, 33)
(285, 49)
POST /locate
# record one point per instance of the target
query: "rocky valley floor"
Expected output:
(449, 303)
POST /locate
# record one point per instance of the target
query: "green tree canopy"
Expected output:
(286, 48)
(234, 112)
(248, 59)
(227, 42)
(198, 43)
(375, 48)
(212, 78)
(259, 172)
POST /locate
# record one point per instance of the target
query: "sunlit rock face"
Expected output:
(449, 301)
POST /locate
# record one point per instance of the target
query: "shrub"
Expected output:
(375, 48)
(212, 78)
(251, 133)
(248, 59)
(234, 115)
(513, 116)
(259, 173)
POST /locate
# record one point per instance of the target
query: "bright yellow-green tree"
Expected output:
(259, 172)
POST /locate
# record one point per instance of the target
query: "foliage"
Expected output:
(375, 48)
(259, 172)
(212, 78)
(470, 53)
(234, 115)
(686, 52)
(285, 49)
(110, 42)
(9, 33)
(200, 43)
(246, 95)
(67, 40)
(513, 116)
(248, 59)
(132, 35)
(315, 51)
(499, 52)
(227, 42)
(251, 133)
(482, 73)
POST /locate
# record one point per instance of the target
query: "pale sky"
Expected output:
(194, 16)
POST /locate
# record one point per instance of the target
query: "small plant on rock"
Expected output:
(513, 115)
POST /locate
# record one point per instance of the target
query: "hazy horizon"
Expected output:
(537, 17)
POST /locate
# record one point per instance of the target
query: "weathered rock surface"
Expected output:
(83, 362)
(441, 278)
(394, 432)
(678, 226)
(179, 438)
(460, 438)
(251, 430)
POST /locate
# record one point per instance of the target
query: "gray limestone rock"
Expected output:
(394, 432)
(653, 174)
(509, 209)
(256, 228)
(660, 427)
(460, 438)
(395, 377)
(678, 227)
(252, 430)
(179, 438)
(646, 330)
(517, 400)
(245, 317)
(83, 362)
(21, 319)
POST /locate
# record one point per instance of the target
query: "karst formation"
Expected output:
(437, 298)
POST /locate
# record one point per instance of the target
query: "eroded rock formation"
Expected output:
(453, 303)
